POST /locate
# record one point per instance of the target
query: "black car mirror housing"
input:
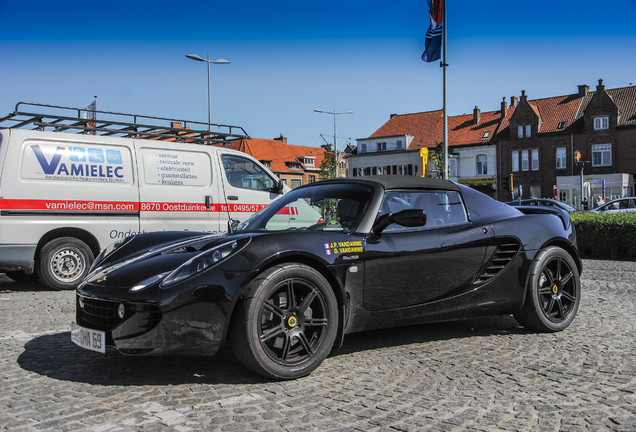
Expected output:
(407, 218)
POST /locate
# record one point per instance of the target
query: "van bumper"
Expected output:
(17, 258)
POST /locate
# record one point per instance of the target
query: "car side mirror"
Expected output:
(406, 218)
(231, 225)
(278, 188)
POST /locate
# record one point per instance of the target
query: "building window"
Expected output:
(561, 161)
(363, 148)
(399, 144)
(515, 161)
(380, 146)
(295, 183)
(601, 123)
(602, 155)
(524, 160)
(482, 164)
(312, 179)
(535, 159)
(519, 131)
(310, 161)
(528, 130)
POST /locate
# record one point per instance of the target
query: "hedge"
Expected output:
(606, 236)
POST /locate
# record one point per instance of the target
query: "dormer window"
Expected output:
(486, 135)
(561, 125)
(601, 123)
(309, 161)
(381, 146)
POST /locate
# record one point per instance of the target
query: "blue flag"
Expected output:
(433, 42)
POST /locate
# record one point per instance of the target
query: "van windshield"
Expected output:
(329, 207)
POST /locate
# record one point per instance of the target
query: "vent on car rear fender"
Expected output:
(501, 257)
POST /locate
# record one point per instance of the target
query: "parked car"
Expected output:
(620, 205)
(543, 202)
(359, 254)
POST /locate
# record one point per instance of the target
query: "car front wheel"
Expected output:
(286, 325)
(553, 293)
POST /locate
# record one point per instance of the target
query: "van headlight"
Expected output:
(200, 263)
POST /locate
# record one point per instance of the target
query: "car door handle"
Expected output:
(232, 197)
(208, 201)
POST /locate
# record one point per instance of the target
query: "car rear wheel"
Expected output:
(286, 325)
(553, 294)
(64, 262)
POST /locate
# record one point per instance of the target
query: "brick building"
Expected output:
(538, 140)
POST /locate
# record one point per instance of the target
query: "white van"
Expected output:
(65, 196)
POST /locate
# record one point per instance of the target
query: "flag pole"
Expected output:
(444, 65)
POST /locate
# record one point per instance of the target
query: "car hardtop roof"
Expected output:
(397, 182)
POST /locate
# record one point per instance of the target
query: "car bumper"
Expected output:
(143, 328)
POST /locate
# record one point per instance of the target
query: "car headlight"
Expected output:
(200, 263)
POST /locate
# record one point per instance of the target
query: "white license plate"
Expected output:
(93, 340)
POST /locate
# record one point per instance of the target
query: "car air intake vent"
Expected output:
(500, 258)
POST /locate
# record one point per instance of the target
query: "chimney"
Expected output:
(327, 147)
(504, 107)
(583, 89)
(476, 115)
(600, 86)
(524, 98)
(281, 138)
(176, 125)
(513, 100)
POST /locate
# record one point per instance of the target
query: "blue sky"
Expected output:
(290, 57)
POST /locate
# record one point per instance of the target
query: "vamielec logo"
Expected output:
(77, 163)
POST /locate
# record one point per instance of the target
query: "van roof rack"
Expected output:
(88, 121)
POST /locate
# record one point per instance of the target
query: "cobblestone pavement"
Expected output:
(482, 374)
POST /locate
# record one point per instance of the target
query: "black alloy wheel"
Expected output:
(554, 292)
(287, 328)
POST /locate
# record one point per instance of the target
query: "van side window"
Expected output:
(245, 173)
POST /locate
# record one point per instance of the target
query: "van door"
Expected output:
(179, 188)
(248, 186)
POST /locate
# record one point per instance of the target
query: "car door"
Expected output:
(412, 266)
(248, 187)
(179, 188)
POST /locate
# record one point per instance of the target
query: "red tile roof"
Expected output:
(279, 153)
(427, 128)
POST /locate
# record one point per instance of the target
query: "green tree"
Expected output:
(328, 166)
(438, 158)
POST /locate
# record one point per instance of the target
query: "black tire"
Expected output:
(64, 262)
(553, 293)
(20, 276)
(283, 339)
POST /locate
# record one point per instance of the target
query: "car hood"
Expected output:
(148, 258)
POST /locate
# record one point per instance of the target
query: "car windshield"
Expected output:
(327, 207)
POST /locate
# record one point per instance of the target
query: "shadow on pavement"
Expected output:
(57, 357)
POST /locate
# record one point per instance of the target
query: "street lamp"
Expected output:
(208, 61)
(335, 142)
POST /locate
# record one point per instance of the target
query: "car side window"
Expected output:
(443, 208)
(244, 173)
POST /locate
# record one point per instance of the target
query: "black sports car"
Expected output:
(327, 259)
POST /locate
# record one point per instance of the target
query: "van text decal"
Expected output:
(125, 206)
(77, 163)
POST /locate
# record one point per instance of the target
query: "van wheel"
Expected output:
(64, 262)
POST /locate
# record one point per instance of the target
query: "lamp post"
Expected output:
(208, 61)
(334, 113)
